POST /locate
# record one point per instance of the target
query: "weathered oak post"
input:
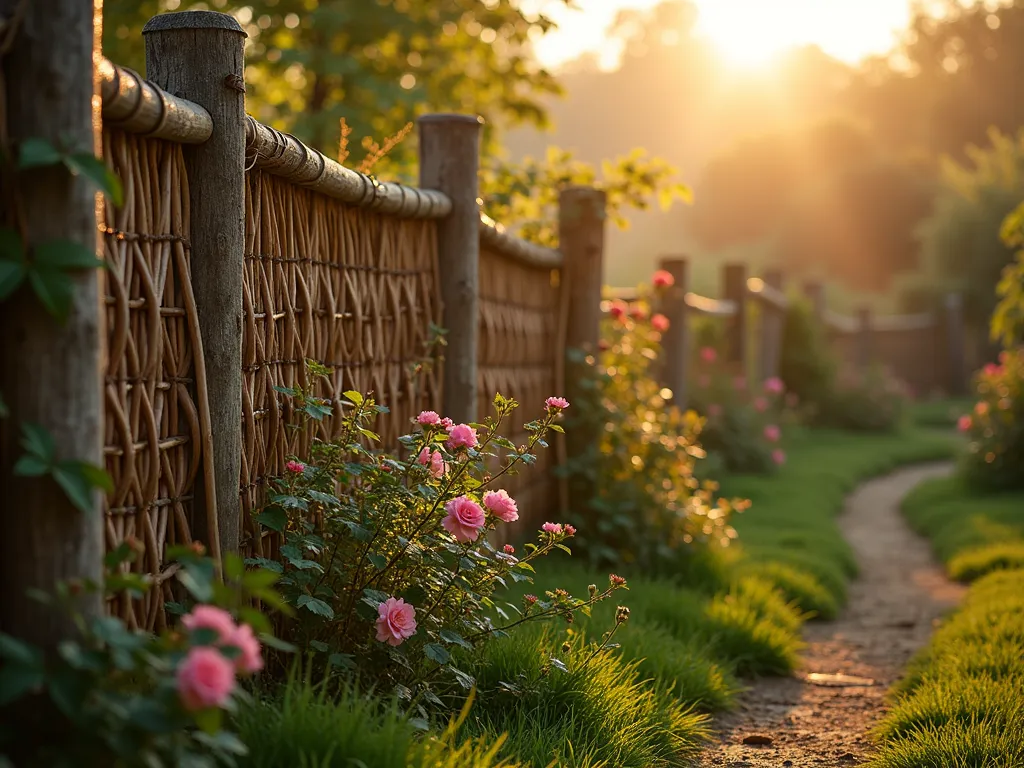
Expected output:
(773, 319)
(581, 232)
(735, 282)
(198, 55)
(450, 162)
(50, 372)
(675, 342)
(953, 327)
(865, 340)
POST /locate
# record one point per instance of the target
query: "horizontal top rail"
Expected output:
(711, 307)
(881, 323)
(497, 239)
(283, 155)
(137, 106)
(769, 294)
(842, 323)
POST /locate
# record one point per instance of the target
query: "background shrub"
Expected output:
(995, 454)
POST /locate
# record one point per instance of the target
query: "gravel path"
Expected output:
(809, 720)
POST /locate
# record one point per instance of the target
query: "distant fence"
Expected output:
(240, 253)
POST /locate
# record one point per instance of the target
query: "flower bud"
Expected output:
(592, 589)
(621, 614)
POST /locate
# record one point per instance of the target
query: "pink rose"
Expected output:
(663, 279)
(397, 622)
(438, 467)
(462, 436)
(772, 433)
(774, 386)
(509, 549)
(428, 418)
(210, 617)
(760, 404)
(779, 457)
(558, 403)
(570, 530)
(205, 679)
(714, 410)
(638, 312)
(965, 423)
(501, 506)
(708, 354)
(447, 423)
(464, 519)
(617, 309)
(555, 528)
(295, 466)
(660, 323)
(739, 383)
(250, 659)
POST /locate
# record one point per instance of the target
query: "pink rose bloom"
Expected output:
(772, 433)
(462, 436)
(617, 309)
(779, 457)
(205, 679)
(638, 312)
(663, 279)
(295, 466)
(464, 519)
(559, 403)
(509, 549)
(660, 323)
(250, 659)
(397, 622)
(774, 386)
(570, 530)
(447, 423)
(990, 369)
(435, 461)
(555, 528)
(760, 404)
(714, 410)
(964, 423)
(501, 505)
(428, 418)
(739, 383)
(708, 354)
(210, 617)
(704, 381)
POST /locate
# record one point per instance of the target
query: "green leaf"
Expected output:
(76, 484)
(264, 563)
(316, 645)
(11, 247)
(54, 288)
(209, 720)
(16, 680)
(353, 397)
(556, 428)
(454, 637)
(31, 466)
(37, 441)
(315, 605)
(65, 255)
(122, 553)
(379, 561)
(273, 517)
(12, 275)
(198, 582)
(88, 165)
(277, 643)
(19, 652)
(36, 152)
(437, 653)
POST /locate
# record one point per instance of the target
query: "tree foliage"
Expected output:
(1008, 318)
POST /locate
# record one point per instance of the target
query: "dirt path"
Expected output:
(892, 608)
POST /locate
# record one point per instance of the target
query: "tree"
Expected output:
(1008, 318)
(376, 64)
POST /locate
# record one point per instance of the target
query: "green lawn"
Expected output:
(940, 413)
(962, 701)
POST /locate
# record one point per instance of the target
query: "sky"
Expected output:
(846, 29)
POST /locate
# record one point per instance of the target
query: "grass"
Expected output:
(939, 414)
(961, 703)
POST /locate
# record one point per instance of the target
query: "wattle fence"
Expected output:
(240, 253)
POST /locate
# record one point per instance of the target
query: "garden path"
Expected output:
(804, 721)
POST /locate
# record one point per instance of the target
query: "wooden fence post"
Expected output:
(953, 327)
(735, 288)
(773, 321)
(51, 373)
(450, 162)
(865, 338)
(581, 232)
(814, 290)
(675, 341)
(199, 55)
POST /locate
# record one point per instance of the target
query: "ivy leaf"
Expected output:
(65, 255)
(54, 288)
(99, 173)
(454, 637)
(315, 605)
(37, 152)
(437, 653)
(273, 517)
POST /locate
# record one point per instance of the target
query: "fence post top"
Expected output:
(193, 20)
(450, 118)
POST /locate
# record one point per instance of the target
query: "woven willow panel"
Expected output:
(518, 357)
(153, 419)
(349, 288)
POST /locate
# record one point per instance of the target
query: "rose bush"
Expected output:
(995, 428)
(387, 559)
